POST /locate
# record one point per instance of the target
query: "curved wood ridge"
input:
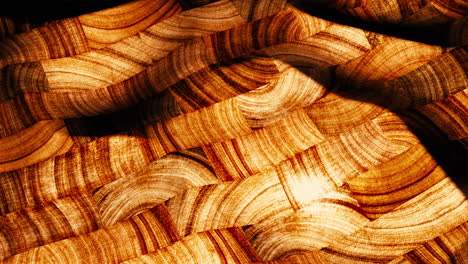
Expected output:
(408, 12)
(235, 132)
(78, 35)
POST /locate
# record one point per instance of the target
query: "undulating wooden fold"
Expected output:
(238, 203)
(295, 89)
(167, 35)
(23, 144)
(243, 156)
(309, 229)
(155, 184)
(31, 148)
(450, 247)
(389, 12)
(219, 122)
(33, 107)
(139, 235)
(217, 83)
(450, 115)
(109, 158)
(383, 188)
(168, 71)
(130, 56)
(80, 170)
(217, 246)
(236, 131)
(255, 9)
(73, 36)
(390, 59)
(433, 81)
(418, 12)
(38, 226)
(235, 78)
(411, 89)
(100, 68)
(335, 45)
(20, 78)
(451, 8)
(413, 222)
(55, 40)
(335, 113)
(323, 168)
(286, 26)
(112, 25)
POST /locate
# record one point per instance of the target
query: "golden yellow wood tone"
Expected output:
(236, 132)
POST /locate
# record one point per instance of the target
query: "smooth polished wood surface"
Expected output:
(236, 131)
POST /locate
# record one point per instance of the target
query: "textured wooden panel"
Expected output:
(236, 131)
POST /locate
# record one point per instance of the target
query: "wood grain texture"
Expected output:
(247, 155)
(309, 229)
(95, 170)
(334, 45)
(421, 12)
(157, 183)
(220, 246)
(449, 114)
(146, 232)
(100, 164)
(294, 90)
(132, 54)
(15, 25)
(394, 182)
(198, 210)
(387, 242)
(252, 10)
(448, 247)
(112, 25)
(236, 132)
(40, 142)
(48, 223)
(73, 36)
(20, 78)
(55, 40)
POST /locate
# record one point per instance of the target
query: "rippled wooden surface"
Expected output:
(234, 131)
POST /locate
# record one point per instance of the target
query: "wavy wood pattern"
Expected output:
(419, 12)
(39, 142)
(146, 232)
(82, 34)
(449, 114)
(112, 25)
(66, 35)
(130, 55)
(235, 131)
(155, 184)
(220, 246)
(448, 247)
(244, 156)
(33, 227)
